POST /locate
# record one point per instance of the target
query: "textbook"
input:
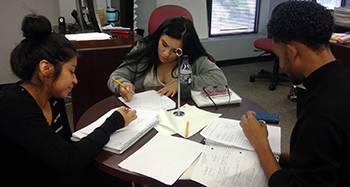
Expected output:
(202, 101)
(125, 137)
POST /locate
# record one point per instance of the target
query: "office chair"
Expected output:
(164, 12)
(160, 14)
(265, 44)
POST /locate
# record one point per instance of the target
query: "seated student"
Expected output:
(153, 61)
(35, 146)
(320, 141)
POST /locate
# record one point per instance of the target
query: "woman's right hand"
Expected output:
(127, 93)
(128, 115)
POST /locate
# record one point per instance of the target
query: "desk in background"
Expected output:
(97, 59)
(341, 51)
(108, 161)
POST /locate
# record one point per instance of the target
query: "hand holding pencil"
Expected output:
(126, 90)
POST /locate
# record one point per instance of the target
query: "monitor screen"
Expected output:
(88, 16)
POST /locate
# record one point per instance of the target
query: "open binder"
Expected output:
(125, 137)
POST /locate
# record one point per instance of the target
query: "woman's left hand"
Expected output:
(169, 90)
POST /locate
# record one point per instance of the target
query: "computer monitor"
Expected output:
(88, 16)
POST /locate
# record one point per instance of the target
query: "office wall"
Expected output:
(12, 12)
(11, 15)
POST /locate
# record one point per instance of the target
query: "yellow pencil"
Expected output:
(121, 84)
(186, 132)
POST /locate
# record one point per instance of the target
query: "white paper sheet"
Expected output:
(149, 100)
(163, 158)
(223, 167)
(196, 118)
(88, 36)
(229, 132)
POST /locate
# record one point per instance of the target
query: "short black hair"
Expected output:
(302, 21)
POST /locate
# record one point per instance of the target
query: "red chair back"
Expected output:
(160, 14)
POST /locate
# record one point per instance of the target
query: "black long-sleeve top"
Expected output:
(320, 141)
(34, 153)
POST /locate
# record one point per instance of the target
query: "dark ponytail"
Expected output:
(40, 43)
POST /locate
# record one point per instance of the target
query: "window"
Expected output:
(330, 4)
(232, 16)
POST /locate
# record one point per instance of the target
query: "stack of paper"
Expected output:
(88, 36)
(163, 158)
(147, 104)
(123, 138)
(228, 158)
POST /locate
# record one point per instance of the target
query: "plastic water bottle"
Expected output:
(185, 79)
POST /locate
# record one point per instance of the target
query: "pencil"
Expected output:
(186, 132)
(121, 84)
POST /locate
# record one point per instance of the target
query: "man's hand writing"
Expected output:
(255, 131)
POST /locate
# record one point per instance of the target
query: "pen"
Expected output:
(121, 84)
(186, 132)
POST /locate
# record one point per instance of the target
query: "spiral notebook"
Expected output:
(228, 132)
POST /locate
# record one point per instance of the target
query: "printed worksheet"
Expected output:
(226, 167)
(149, 100)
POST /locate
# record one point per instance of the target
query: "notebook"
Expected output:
(125, 137)
(228, 158)
(202, 101)
(228, 132)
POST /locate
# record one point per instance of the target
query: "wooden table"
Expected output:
(341, 52)
(97, 60)
(108, 161)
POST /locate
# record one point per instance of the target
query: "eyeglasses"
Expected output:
(217, 91)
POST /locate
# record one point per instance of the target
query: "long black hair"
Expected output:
(40, 43)
(177, 27)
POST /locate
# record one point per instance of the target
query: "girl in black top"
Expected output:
(35, 146)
